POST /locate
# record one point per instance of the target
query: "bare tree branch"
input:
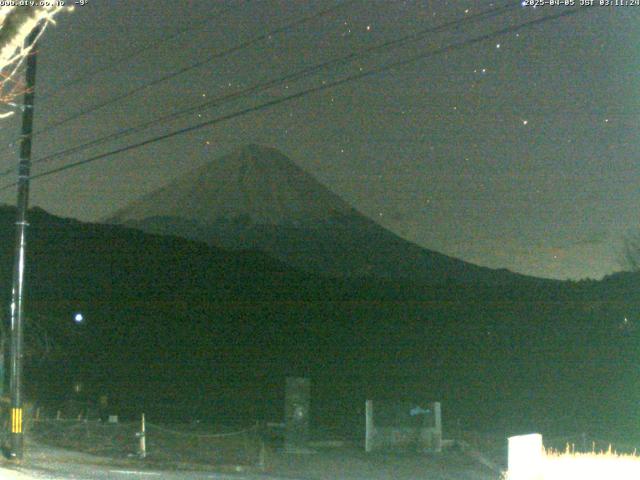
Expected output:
(16, 23)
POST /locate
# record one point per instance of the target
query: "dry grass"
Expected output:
(588, 466)
(591, 466)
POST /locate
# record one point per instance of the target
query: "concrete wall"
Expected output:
(426, 434)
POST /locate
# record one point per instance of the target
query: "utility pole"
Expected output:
(17, 291)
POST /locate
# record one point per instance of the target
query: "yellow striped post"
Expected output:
(16, 420)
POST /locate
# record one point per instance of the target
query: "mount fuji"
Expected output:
(256, 198)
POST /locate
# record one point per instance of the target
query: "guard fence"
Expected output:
(153, 443)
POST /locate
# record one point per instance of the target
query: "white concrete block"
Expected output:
(526, 454)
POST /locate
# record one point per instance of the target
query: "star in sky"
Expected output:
(463, 109)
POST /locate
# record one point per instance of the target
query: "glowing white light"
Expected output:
(525, 456)
(529, 459)
(78, 318)
(16, 23)
(590, 466)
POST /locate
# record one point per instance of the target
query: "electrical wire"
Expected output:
(305, 72)
(60, 87)
(200, 63)
(277, 101)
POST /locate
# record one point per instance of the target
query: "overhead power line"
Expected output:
(64, 85)
(295, 76)
(336, 83)
(200, 63)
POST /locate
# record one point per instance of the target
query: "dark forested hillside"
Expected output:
(179, 328)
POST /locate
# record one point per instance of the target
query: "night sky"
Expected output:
(519, 152)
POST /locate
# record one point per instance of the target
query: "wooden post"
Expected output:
(262, 458)
(437, 434)
(143, 439)
(369, 427)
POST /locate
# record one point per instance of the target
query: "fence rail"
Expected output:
(155, 443)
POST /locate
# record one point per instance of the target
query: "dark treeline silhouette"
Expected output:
(181, 329)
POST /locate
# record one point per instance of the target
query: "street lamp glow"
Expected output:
(78, 318)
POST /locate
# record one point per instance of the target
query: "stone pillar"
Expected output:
(296, 414)
(369, 427)
(437, 427)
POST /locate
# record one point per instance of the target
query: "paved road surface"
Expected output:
(44, 463)
(82, 472)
